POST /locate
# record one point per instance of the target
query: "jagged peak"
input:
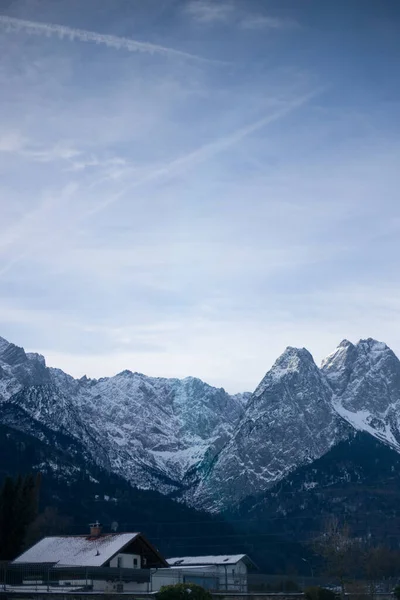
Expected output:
(292, 358)
(35, 356)
(338, 356)
(12, 354)
(368, 347)
(345, 344)
(3, 344)
(372, 344)
(290, 361)
(126, 373)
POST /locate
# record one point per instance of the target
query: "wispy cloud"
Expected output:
(112, 41)
(209, 12)
(12, 142)
(208, 151)
(254, 21)
(162, 215)
(204, 11)
(172, 169)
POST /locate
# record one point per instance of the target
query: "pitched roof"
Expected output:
(77, 550)
(223, 559)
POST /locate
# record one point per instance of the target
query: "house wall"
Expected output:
(111, 586)
(127, 561)
(233, 577)
(218, 577)
(204, 576)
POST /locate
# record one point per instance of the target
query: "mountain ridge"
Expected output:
(187, 439)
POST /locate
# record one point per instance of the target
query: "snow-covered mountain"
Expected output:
(365, 379)
(204, 446)
(151, 431)
(299, 412)
(289, 421)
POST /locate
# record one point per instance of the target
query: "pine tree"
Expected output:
(7, 516)
(18, 509)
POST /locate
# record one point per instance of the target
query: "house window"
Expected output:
(119, 562)
(135, 562)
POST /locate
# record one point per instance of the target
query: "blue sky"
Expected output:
(189, 186)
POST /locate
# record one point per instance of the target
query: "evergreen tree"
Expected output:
(7, 517)
(18, 509)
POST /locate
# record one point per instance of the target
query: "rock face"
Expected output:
(365, 379)
(357, 481)
(186, 438)
(289, 421)
(151, 431)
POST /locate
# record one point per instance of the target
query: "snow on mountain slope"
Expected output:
(156, 428)
(365, 379)
(18, 369)
(196, 441)
(289, 421)
(149, 430)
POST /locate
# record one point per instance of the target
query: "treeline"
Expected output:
(19, 503)
(347, 557)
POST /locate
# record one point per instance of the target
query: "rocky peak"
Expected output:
(288, 422)
(365, 379)
(337, 366)
(11, 354)
(365, 376)
(292, 363)
(373, 351)
(34, 356)
(3, 344)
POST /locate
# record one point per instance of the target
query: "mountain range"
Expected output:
(201, 446)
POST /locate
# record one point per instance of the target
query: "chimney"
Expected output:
(95, 529)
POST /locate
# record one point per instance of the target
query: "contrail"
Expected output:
(207, 151)
(183, 163)
(112, 41)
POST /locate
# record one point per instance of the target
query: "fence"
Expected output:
(48, 578)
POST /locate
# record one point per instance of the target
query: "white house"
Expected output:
(224, 572)
(99, 562)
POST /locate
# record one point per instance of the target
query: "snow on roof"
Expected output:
(76, 550)
(223, 559)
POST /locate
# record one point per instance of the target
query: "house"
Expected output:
(223, 572)
(99, 562)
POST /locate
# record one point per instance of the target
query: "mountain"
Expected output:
(365, 379)
(196, 443)
(151, 431)
(357, 481)
(289, 421)
(298, 413)
(77, 488)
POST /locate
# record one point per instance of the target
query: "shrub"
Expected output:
(319, 593)
(396, 592)
(183, 591)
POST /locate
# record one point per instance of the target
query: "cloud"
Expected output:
(204, 11)
(112, 41)
(172, 169)
(208, 151)
(228, 348)
(209, 12)
(266, 22)
(78, 160)
(12, 142)
(57, 152)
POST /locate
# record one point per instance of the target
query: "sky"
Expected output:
(189, 186)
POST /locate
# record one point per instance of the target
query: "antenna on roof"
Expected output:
(114, 526)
